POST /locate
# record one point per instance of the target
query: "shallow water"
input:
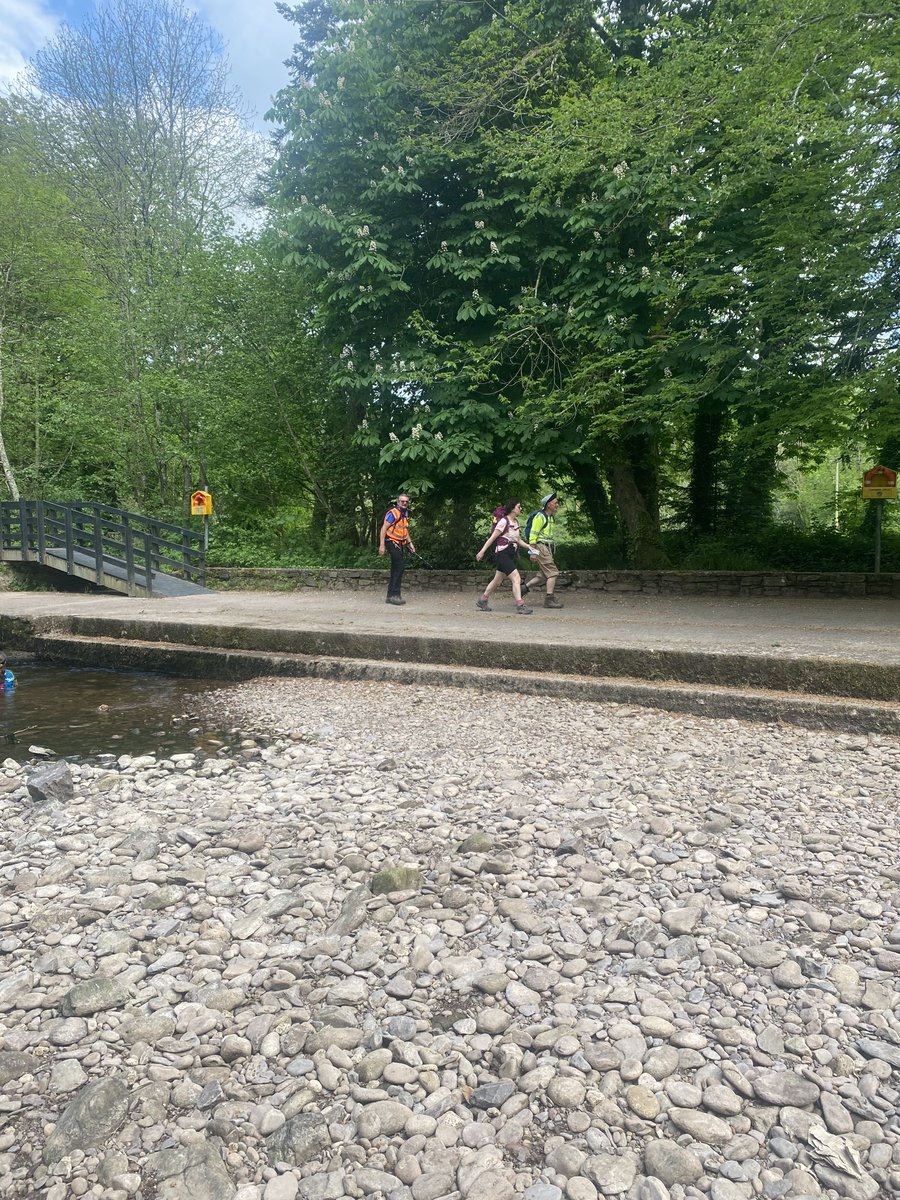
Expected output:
(77, 712)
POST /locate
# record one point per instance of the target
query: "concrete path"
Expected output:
(858, 631)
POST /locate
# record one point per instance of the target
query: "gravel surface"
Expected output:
(423, 944)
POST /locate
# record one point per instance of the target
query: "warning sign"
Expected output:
(880, 484)
(201, 504)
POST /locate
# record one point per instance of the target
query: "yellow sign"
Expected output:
(201, 504)
(880, 484)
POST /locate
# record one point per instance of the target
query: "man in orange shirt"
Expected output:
(393, 540)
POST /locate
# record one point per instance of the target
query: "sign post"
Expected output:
(879, 484)
(201, 506)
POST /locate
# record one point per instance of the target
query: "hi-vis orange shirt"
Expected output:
(398, 528)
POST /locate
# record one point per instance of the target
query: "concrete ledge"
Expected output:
(817, 712)
(660, 583)
(778, 672)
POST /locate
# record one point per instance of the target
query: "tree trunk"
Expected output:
(641, 521)
(4, 457)
(704, 484)
(589, 484)
(750, 483)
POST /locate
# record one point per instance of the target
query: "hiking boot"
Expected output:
(525, 588)
(552, 602)
(394, 600)
(482, 605)
(523, 610)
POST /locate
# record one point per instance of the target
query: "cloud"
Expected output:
(257, 37)
(258, 40)
(25, 25)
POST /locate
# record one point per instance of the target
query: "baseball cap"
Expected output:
(545, 500)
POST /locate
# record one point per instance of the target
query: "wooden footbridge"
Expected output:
(119, 550)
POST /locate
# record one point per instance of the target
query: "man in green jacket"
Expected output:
(541, 535)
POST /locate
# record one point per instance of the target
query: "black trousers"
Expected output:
(398, 566)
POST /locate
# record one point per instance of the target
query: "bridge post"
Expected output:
(70, 541)
(98, 542)
(129, 554)
(24, 529)
(39, 509)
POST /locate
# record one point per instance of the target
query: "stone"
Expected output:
(613, 1174)
(763, 954)
(326, 1185)
(785, 1088)
(14, 1064)
(67, 1076)
(299, 1140)
(194, 1172)
(150, 1028)
(282, 1187)
(703, 1127)
(885, 1051)
(396, 879)
(666, 1160)
(722, 1100)
(89, 1120)
(681, 920)
(384, 1118)
(642, 1101)
(492, 1095)
(564, 1092)
(93, 996)
(476, 843)
(51, 783)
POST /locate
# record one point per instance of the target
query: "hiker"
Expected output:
(7, 679)
(539, 531)
(506, 540)
(394, 540)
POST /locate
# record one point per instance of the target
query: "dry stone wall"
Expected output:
(806, 584)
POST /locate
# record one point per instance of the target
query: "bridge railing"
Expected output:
(99, 539)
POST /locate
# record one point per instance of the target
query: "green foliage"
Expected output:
(619, 227)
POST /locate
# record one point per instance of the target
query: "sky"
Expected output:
(257, 39)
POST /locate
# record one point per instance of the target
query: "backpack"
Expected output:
(538, 512)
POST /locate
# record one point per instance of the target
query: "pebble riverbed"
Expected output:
(422, 944)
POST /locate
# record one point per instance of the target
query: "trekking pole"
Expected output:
(423, 561)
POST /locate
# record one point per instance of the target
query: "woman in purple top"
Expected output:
(506, 540)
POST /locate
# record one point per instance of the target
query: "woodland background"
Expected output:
(647, 254)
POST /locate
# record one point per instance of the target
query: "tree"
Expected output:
(666, 241)
(132, 113)
(50, 317)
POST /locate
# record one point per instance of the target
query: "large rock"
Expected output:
(396, 879)
(612, 1173)
(872, 1048)
(785, 1088)
(90, 1119)
(352, 914)
(703, 1127)
(671, 1163)
(14, 1064)
(92, 996)
(299, 1140)
(51, 784)
(190, 1173)
(384, 1118)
